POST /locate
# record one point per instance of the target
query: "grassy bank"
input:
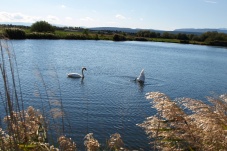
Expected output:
(208, 38)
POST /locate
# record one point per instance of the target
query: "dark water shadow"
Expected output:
(140, 85)
(82, 81)
(77, 79)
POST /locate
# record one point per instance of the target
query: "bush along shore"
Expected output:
(43, 30)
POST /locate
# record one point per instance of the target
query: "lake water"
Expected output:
(108, 100)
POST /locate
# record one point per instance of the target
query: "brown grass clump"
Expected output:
(5, 140)
(115, 142)
(66, 144)
(187, 124)
(32, 134)
(29, 129)
(91, 143)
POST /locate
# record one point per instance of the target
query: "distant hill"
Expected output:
(131, 30)
(128, 30)
(176, 31)
(202, 30)
(16, 23)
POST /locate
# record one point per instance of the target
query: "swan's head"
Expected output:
(83, 68)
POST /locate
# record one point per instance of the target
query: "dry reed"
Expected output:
(115, 142)
(25, 129)
(91, 143)
(187, 124)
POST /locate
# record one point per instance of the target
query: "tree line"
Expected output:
(210, 37)
(43, 30)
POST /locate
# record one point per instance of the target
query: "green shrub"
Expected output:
(218, 43)
(140, 39)
(118, 37)
(184, 41)
(42, 26)
(14, 33)
(36, 35)
(75, 37)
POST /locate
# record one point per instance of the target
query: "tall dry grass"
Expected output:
(187, 124)
(27, 129)
(10, 95)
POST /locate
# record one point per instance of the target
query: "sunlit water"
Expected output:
(108, 100)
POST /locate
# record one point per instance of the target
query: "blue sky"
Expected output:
(147, 14)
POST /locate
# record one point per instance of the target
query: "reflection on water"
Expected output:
(108, 100)
(141, 86)
(82, 81)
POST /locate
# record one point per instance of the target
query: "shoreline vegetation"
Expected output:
(43, 30)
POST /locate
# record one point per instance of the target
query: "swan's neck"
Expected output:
(82, 73)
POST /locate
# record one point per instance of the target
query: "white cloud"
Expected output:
(141, 19)
(5, 16)
(87, 19)
(52, 19)
(17, 17)
(121, 17)
(68, 18)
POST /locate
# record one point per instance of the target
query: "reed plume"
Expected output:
(187, 124)
(115, 142)
(66, 144)
(91, 143)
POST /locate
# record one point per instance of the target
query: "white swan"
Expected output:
(141, 77)
(76, 75)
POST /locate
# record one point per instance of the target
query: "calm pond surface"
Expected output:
(108, 100)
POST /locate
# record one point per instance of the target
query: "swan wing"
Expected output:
(74, 75)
